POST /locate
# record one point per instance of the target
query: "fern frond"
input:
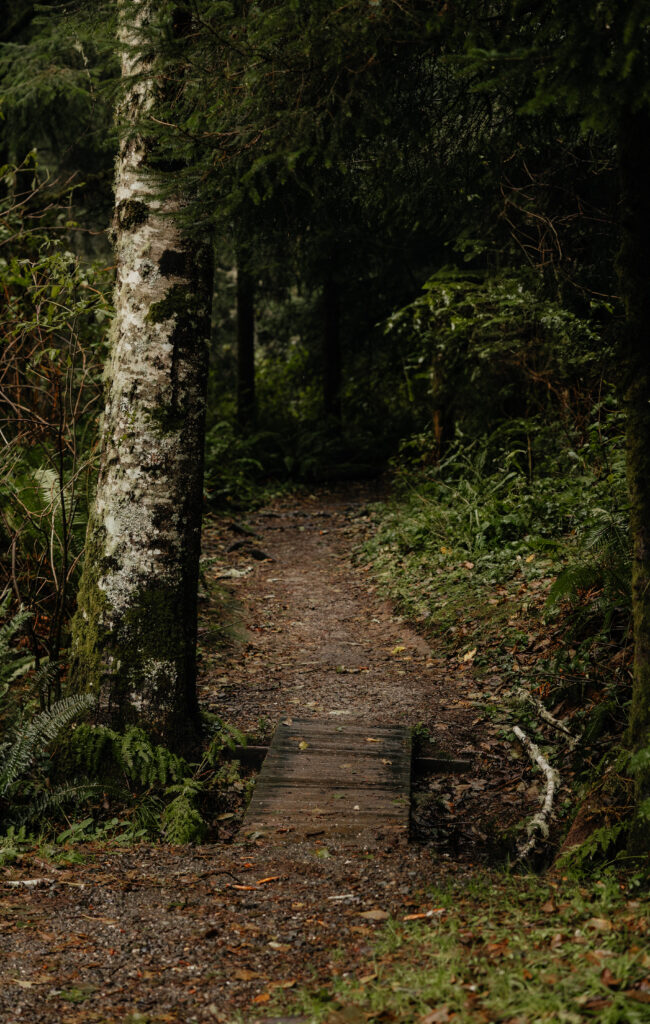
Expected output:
(182, 822)
(60, 796)
(570, 582)
(43, 729)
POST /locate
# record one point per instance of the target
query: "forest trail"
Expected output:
(315, 637)
(165, 935)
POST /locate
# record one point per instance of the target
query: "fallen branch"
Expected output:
(539, 825)
(546, 715)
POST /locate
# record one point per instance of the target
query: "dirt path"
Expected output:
(318, 638)
(155, 934)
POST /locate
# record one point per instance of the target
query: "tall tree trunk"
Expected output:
(634, 276)
(331, 348)
(134, 633)
(245, 347)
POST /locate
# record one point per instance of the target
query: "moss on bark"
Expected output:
(134, 635)
(87, 624)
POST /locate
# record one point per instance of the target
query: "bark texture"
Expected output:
(134, 634)
(634, 274)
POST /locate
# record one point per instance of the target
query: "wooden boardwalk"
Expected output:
(324, 778)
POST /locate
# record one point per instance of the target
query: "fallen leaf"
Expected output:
(263, 997)
(439, 1016)
(347, 1015)
(271, 878)
(609, 979)
(367, 978)
(303, 745)
(385, 760)
(282, 947)
(600, 924)
(375, 915)
(470, 655)
(594, 1003)
(638, 995)
(550, 907)
(398, 650)
(372, 739)
(242, 974)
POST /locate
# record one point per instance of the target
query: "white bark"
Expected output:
(546, 715)
(137, 610)
(539, 825)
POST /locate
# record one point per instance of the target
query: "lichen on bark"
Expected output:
(134, 634)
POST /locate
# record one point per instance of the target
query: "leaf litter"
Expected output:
(239, 931)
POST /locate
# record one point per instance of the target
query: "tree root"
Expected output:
(539, 825)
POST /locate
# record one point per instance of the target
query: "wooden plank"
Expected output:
(345, 780)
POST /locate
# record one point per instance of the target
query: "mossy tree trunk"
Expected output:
(634, 275)
(134, 633)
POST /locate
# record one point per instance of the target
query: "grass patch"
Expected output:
(499, 948)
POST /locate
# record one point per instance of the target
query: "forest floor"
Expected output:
(245, 930)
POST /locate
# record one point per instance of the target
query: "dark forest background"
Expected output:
(426, 264)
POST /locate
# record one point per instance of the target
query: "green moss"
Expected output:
(130, 213)
(146, 649)
(86, 660)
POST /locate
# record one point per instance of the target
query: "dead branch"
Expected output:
(539, 825)
(546, 715)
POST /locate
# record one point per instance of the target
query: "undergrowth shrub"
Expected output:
(55, 767)
(52, 338)
(506, 534)
(483, 349)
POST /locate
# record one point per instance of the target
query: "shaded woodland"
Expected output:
(252, 252)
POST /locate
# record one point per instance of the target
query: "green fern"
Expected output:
(49, 802)
(599, 848)
(605, 574)
(18, 756)
(97, 750)
(13, 663)
(182, 821)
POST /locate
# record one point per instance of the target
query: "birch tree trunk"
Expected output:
(134, 633)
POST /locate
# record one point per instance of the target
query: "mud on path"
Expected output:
(179, 935)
